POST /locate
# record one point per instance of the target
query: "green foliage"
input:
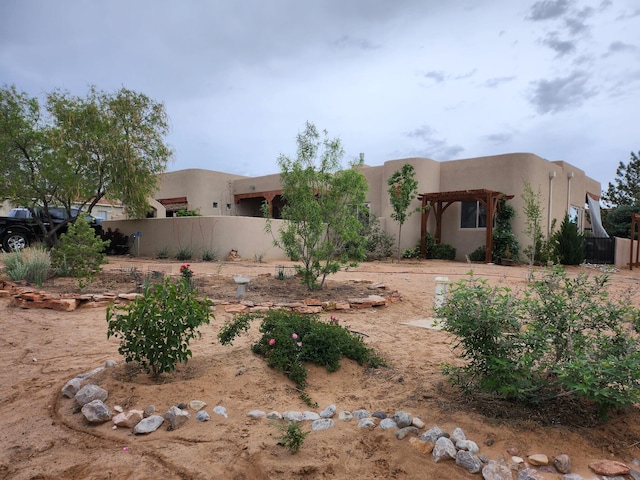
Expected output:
(163, 253)
(379, 244)
(617, 221)
(505, 242)
(443, 251)
(403, 189)
(155, 329)
(209, 255)
(79, 253)
(412, 252)
(626, 191)
(533, 225)
(321, 228)
(569, 243)
(31, 264)
(292, 436)
(69, 150)
(184, 253)
(479, 254)
(289, 339)
(187, 213)
(563, 338)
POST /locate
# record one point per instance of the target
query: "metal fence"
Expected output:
(600, 250)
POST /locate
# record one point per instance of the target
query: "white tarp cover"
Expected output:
(596, 222)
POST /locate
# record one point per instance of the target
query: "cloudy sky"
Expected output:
(391, 78)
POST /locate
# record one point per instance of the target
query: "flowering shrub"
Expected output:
(186, 272)
(289, 339)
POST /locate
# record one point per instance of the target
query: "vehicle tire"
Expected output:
(15, 241)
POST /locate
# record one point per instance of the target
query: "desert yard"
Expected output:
(42, 435)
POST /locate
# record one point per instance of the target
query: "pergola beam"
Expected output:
(440, 201)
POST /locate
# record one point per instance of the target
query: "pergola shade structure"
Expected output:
(438, 202)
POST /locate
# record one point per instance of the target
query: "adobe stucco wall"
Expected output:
(218, 234)
(209, 192)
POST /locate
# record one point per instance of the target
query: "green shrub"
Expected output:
(31, 264)
(155, 329)
(412, 252)
(443, 251)
(292, 436)
(289, 339)
(569, 243)
(184, 253)
(563, 338)
(479, 254)
(79, 253)
(163, 253)
(209, 255)
(379, 244)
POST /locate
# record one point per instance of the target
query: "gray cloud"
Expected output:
(437, 76)
(561, 47)
(627, 15)
(621, 47)
(562, 93)
(348, 41)
(498, 138)
(497, 81)
(436, 148)
(548, 9)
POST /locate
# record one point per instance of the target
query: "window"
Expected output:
(215, 204)
(473, 215)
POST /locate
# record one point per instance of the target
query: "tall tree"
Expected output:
(403, 189)
(321, 226)
(626, 190)
(75, 151)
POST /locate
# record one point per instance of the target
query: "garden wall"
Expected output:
(219, 234)
(623, 246)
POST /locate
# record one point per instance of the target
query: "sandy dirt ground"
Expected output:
(42, 438)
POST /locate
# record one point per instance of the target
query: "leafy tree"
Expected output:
(321, 226)
(617, 221)
(403, 189)
(569, 243)
(74, 151)
(627, 188)
(533, 225)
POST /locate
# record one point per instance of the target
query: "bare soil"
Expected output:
(42, 436)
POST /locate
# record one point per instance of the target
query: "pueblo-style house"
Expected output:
(461, 196)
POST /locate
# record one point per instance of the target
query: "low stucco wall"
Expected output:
(219, 234)
(623, 247)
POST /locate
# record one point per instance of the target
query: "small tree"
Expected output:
(403, 189)
(569, 243)
(533, 225)
(617, 221)
(156, 328)
(79, 253)
(627, 188)
(321, 226)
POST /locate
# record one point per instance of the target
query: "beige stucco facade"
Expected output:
(562, 188)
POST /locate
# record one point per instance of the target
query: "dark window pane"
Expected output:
(468, 212)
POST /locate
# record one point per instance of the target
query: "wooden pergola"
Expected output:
(440, 201)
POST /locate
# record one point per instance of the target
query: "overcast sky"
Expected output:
(391, 78)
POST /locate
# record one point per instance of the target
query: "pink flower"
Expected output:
(299, 344)
(294, 336)
(272, 341)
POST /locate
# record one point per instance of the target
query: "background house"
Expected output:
(563, 189)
